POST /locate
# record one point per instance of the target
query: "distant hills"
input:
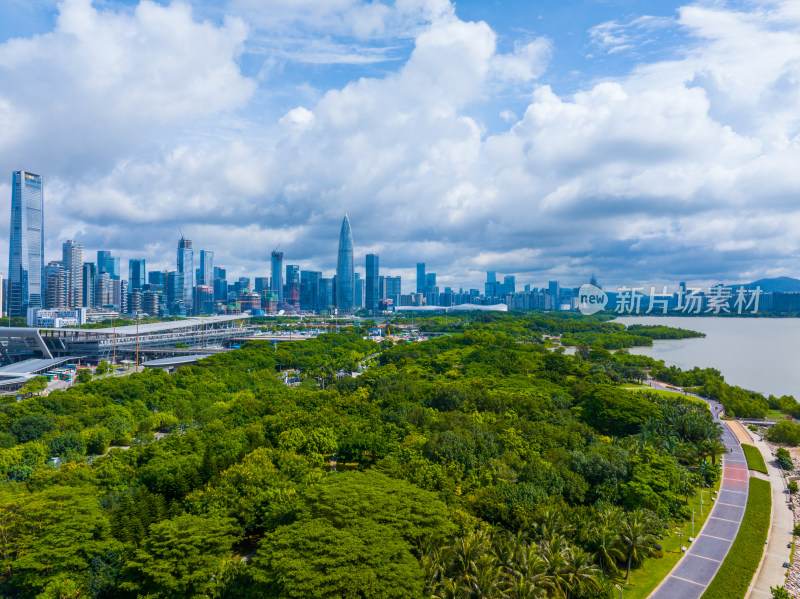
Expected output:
(778, 284)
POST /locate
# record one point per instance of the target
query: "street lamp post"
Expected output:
(137, 343)
(692, 523)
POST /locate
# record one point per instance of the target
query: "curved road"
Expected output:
(698, 566)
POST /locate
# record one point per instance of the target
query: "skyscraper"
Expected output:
(89, 274)
(309, 289)
(277, 274)
(372, 292)
(107, 263)
(72, 259)
(291, 291)
(421, 280)
(345, 269)
(26, 251)
(393, 289)
(186, 268)
(55, 286)
(206, 268)
(136, 273)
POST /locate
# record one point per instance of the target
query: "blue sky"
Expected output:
(646, 142)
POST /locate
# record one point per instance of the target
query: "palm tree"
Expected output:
(716, 449)
(435, 563)
(484, 581)
(580, 573)
(448, 589)
(529, 566)
(635, 539)
(523, 589)
(556, 554)
(468, 550)
(605, 535)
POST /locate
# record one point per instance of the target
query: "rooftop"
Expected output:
(156, 327)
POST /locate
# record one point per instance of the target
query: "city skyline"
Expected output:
(374, 286)
(645, 142)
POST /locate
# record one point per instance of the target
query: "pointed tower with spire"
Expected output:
(345, 270)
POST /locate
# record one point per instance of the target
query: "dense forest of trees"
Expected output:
(478, 464)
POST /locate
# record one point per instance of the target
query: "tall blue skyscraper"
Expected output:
(136, 273)
(186, 268)
(26, 251)
(345, 270)
(206, 268)
(108, 263)
(372, 292)
(277, 274)
(421, 280)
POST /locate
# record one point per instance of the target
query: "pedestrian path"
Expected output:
(771, 573)
(698, 566)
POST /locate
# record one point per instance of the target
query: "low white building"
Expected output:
(56, 318)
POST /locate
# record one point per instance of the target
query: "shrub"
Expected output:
(784, 459)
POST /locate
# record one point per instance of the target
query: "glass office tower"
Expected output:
(206, 268)
(372, 292)
(137, 268)
(277, 274)
(186, 268)
(345, 270)
(26, 251)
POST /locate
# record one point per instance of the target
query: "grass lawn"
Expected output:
(775, 414)
(646, 578)
(736, 572)
(755, 461)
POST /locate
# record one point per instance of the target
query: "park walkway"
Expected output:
(771, 572)
(697, 567)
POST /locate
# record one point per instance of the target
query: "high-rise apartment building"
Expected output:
(277, 274)
(103, 290)
(55, 286)
(136, 273)
(72, 260)
(186, 269)
(345, 269)
(26, 243)
(372, 290)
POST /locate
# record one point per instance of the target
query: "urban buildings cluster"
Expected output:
(197, 286)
